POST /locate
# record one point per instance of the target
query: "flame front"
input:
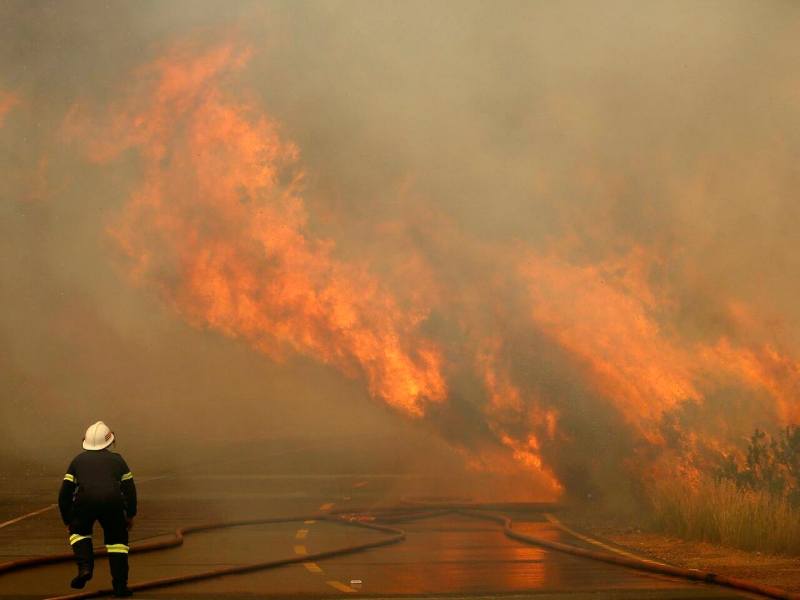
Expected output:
(219, 227)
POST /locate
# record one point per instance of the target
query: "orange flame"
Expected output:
(603, 315)
(220, 228)
(608, 317)
(506, 409)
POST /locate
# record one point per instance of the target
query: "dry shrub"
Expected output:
(719, 511)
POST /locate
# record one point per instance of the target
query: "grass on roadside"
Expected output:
(720, 512)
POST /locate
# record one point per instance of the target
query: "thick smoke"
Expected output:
(558, 237)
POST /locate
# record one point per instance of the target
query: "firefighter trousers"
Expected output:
(115, 537)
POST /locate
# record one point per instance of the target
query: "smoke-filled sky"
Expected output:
(558, 238)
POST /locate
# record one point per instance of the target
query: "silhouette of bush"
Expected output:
(771, 464)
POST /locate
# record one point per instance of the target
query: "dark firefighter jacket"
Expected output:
(97, 477)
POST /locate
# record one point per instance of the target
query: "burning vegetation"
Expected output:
(218, 225)
(573, 263)
(751, 503)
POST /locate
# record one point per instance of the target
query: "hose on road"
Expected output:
(396, 535)
(640, 564)
(370, 519)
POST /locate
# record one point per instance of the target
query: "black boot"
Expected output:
(84, 556)
(119, 574)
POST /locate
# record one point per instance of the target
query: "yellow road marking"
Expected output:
(301, 534)
(340, 586)
(300, 550)
(360, 484)
(574, 533)
(312, 567)
(326, 506)
(309, 522)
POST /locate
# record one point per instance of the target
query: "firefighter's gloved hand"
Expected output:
(129, 523)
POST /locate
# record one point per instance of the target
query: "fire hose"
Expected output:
(639, 564)
(410, 511)
(397, 535)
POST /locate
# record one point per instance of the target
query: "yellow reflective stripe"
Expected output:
(70, 478)
(117, 548)
(74, 538)
(127, 476)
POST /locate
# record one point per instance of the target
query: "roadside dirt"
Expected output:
(779, 571)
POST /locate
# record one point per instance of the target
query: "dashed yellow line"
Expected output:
(595, 542)
(342, 587)
(312, 567)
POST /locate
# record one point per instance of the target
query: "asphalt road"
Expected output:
(448, 556)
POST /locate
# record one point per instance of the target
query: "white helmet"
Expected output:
(97, 437)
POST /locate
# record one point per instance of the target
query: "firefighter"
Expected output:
(98, 486)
